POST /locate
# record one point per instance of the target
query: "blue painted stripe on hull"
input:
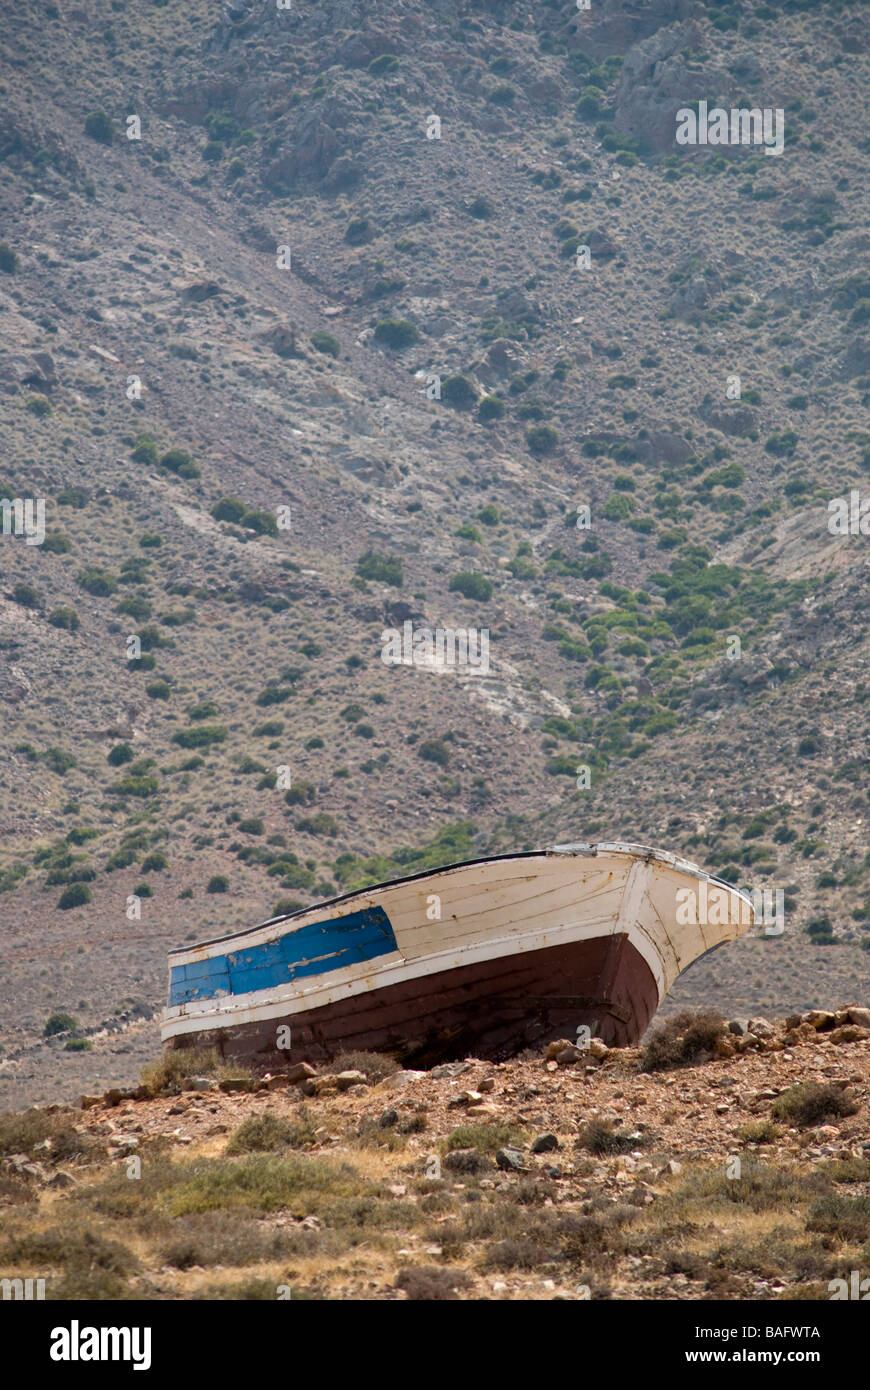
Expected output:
(312, 950)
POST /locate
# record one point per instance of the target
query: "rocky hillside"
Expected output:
(719, 1163)
(319, 351)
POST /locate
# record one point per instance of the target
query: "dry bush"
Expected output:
(811, 1102)
(375, 1066)
(267, 1133)
(433, 1283)
(601, 1137)
(169, 1070)
(680, 1041)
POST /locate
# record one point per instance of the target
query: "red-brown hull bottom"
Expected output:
(490, 1009)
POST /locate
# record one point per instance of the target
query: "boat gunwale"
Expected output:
(583, 849)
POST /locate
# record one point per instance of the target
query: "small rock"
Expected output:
(344, 1080)
(482, 1112)
(237, 1083)
(762, 1028)
(821, 1019)
(858, 1015)
(388, 1119)
(544, 1144)
(60, 1178)
(511, 1160)
(199, 1083)
(449, 1070)
(466, 1098)
(88, 1102)
(554, 1048)
(849, 1033)
(300, 1071)
(738, 1026)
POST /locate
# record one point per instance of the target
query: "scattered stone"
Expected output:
(199, 1083)
(762, 1028)
(820, 1019)
(738, 1026)
(466, 1098)
(511, 1160)
(237, 1083)
(344, 1080)
(849, 1033)
(447, 1070)
(60, 1178)
(388, 1119)
(300, 1071)
(544, 1144)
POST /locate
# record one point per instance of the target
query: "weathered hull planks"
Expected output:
(489, 1009)
(520, 950)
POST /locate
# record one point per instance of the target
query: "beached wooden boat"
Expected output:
(482, 959)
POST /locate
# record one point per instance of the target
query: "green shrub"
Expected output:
(8, 258)
(27, 596)
(74, 896)
(217, 884)
(228, 509)
(158, 690)
(60, 1022)
(541, 440)
(155, 862)
(325, 342)
(99, 127)
(300, 793)
(253, 825)
(490, 408)
(179, 461)
(481, 208)
(58, 761)
(472, 584)
(459, 392)
(383, 64)
(434, 750)
(396, 334)
(56, 543)
(203, 737)
(207, 709)
(121, 753)
(359, 229)
(383, 569)
(97, 582)
(144, 449)
(135, 784)
(39, 406)
(319, 824)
